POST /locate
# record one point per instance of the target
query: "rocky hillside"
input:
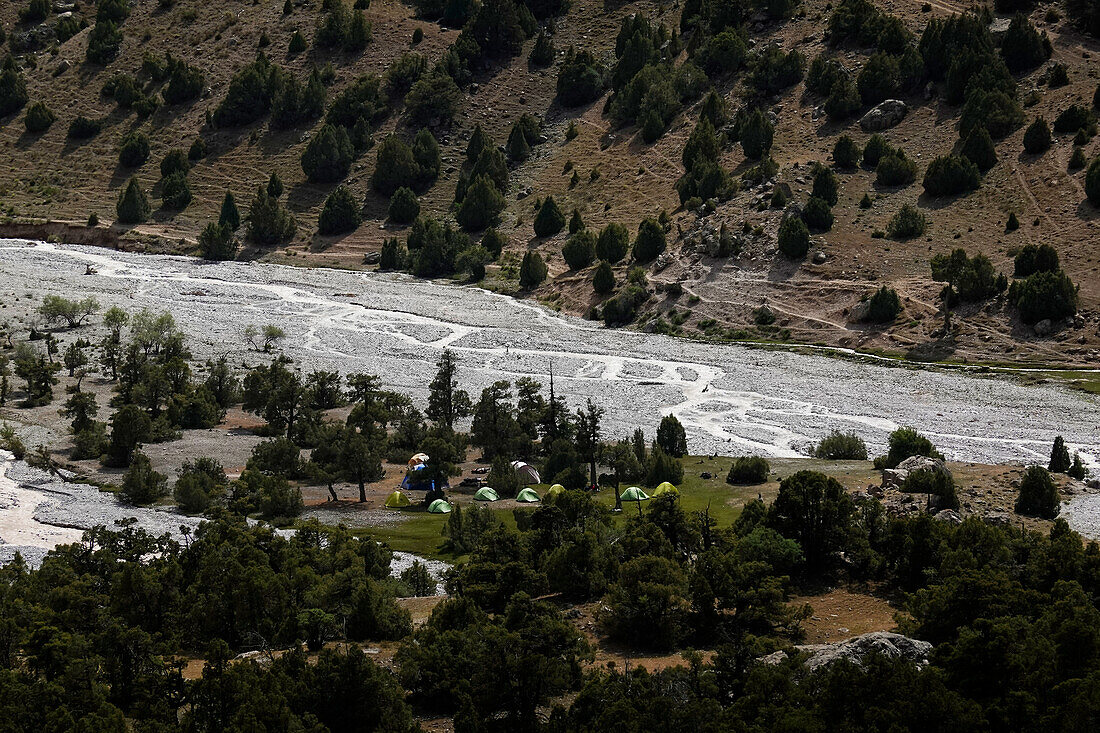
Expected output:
(614, 153)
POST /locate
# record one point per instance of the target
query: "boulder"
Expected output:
(819, 257)
(372, 258)
(883, 116)
(950, 516)
(924, 463)
(859, 648)
(999, 27)
(1043, 327)
(894, 478)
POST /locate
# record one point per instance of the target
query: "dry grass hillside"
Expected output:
(49, 177)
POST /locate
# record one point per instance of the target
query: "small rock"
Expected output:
(819, 257)
(1043, 327)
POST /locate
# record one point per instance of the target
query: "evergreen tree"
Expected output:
(613, 243)
(978, 147)
(1038, 494)
(175, 192)
(446, 402)
(39, 118)
(603, 279)
(794, 238)
(297, 42)
(268, 221)
(481, 206)
(518, 149)
(217, 242)
(846, 152)
(133, 205)
(404, 206)
(142, 485)
(229, 213)
(542, 54)
(1037, 137)
(579, 250)
(532, 271)
(133, 150)
(671, 437)
(425, 150)
(394, 167)
(576, 223)
(340, 213)
(756, 135)
(549, 220)
(328, 156)
(1059, 456)
(650, 241)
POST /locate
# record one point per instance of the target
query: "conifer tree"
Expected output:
(133, 205)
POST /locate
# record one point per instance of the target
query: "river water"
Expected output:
(732, 399)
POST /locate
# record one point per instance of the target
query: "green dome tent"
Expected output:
(439, 506)
(486, 494)
(527, 496)
(666, 488)
(396, 500)
(554, 490)
(634, 494)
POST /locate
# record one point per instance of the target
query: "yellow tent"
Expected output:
(396, 500)
(554, 490)
(666, 488)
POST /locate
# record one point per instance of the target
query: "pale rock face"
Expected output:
(884, 116)
(858, 649)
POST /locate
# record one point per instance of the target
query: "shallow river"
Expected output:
(732, 399)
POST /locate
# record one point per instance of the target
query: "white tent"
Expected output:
(526, 472)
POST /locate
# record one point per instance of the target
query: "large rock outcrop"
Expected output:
(859, 648)
(884, 115)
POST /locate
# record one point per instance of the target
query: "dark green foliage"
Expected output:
(82, 128)
(496, 29)
(1038, 495)
(395, 167)
(434, 97)
(1059, 456)
(1037, 137)
(185, 82)
(702, 145)
(904, 443)
(174, 162)
(328, 155)
(404, 206)
(361, 102)
(579, 251)
(875, 150)
(393, 256)
(175, 191)
(229, 213)
(838, 446)
(603, 278)
(1035, 258)
(818, 214)
(994, 110)
(197, 151)
(39, 118)
(36, 11)
(493, 242)
(884, 305)
(846, 152)
(342, 29)
(1092, 182)
(856, 21)
(748, 470)
(13, 89)
(671, 437)
(613, 243)
(725, 53)
(297, 43)
(518, 149)
(826, 184)
(879, 79)
(1074, 118)
(660, 466)
(542, 54)
(794, 238)
(814, 510)
(934, 483)
(576, 223)
(104, 42)
(296, 103)
(773, 70)
(1023, 47)
(340, 213)
(650, 242)
(949, 175)
(580, 78)
(532, 270)
(756, 135)
(843, 100)
(133, 206)
(217, 242)
(648, 606)
(968, 278)
(907, 223)
(403, 73)
(978, 147)
(133, 150)
(141, 484)
(1044, 295)
(549, 220)
(274, 185)
(481, 206)
(251, 93)
(268, 220)
(895, 169)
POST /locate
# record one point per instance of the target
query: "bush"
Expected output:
(404, 206)
(794, 238)
(174, 162)
(340, 213)
(104, 42)
(884, 306)
(1074, 118)
(133, 150)
(1037, 137)
(838, 446)
(434, 96)
(994, 110)
(393, 256)
(1044, 295)
(949, 175)
(843, 100)
(532, 271)
(775, 70)
(297, 43)
(613, 243)
(1059, 456)
(197, 151)
(229, 213)
(1092, 182)
(39, 118)
(756, 135)
(549, 220)
(82, 128)
(542, 54)
(481, 206)
(580, 78)
(176, 191)
(361, 102)
(879, 79)
(250, 95)
(295, 103)
(603, 279)
(895, 169)
(818, 214)
(933, 482)
(216, 242)
(650, 242)
(978, 148)
(328, 156)
(875, 150)
(1022, 47)
(268, 221)
(968, 278)
(1035, 258)
(142, 485)
(185, 82)
(13, 89)
(846, 152)
(748, 470)
(1038, 494)
(133, 206)
(395, 167)
(579, 250)
(909, 222)
(904, 443)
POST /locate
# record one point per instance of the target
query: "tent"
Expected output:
(666, 488)
(418, 459)
(526, 473)
(439, 506)
(486, 493)
(634, 494)
(554, 490)
(396, 500)
(527, 496)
